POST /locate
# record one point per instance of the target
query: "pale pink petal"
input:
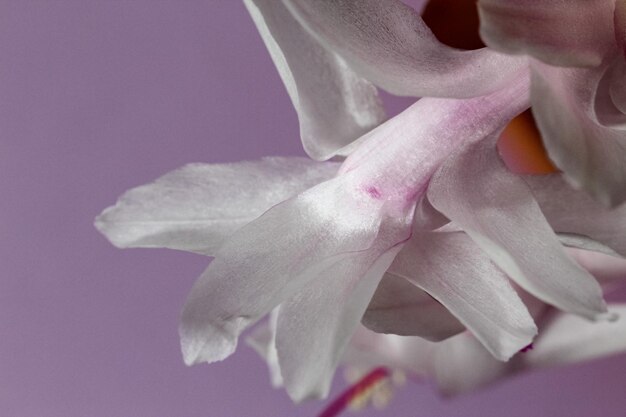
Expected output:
(569, 339)
(606, 268)
(497, 210)
(592, 156)
(388, 43)
(399, 307)
(453, 269)
(269, 260)
(573, 211)
(334, 105)
(195, 208)
(563, 33)
(316, 324)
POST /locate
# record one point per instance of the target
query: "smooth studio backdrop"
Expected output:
(100, 96)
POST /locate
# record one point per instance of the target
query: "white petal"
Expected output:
(268, 261)
(334, 105)
(315, 325)
(563, 33)
(592, 156)
(574, 212)
(388, 43)
(198, 206)
(607, 269)
(399, 307)
(497, 210)
(451, 268)
(569, 339)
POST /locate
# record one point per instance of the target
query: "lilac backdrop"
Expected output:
(100, 96)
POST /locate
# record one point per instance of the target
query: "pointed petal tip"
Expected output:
(197, 350)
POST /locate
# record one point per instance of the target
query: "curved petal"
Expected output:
(399, 307)
(451, 268)
(562, 33)
(573, 211)
(334, 105)
(388, 43)
(316, 324)
(195, 208)
(497, 210)
(569, 339)
(592, 156)
(605, 268)
(617, 87)
(268, 261)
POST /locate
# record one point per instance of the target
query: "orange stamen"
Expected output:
(521, 147)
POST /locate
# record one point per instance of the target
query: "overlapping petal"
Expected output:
(574, 212)
(268, 261)
(400, 307)
(316, 324)
(592, 156)
(388, 43)
(334, 105)
(453, 269)
(195, 208)
(497, 210)
(562, 33)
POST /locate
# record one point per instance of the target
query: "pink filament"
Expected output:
(340, 404)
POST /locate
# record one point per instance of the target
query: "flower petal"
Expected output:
(198, 206)
(497, 210)
(451, 268)
(605, 268)
(334, 105)
(569, 339)
(592, 156)
(562, 33)
(315, 325)
(388, 43)
(269, 260)
(573, 211)
(399, 307)
(263, 340)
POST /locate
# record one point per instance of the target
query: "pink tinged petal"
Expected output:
(316, 324)
(497, 210)
(605, 268)
(334, 105)
(451, 268)
(396, 160)
(573, 211)
(388, 43)
(399, 307)
(568, 339)
(609, 107)
(269, 260)
(197, 207)
(562, 33)
(592, 156)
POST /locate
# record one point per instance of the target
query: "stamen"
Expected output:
(354, 392)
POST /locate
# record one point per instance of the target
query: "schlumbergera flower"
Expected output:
(422, 230)
(322, 252)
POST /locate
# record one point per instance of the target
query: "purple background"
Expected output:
(100, 96)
